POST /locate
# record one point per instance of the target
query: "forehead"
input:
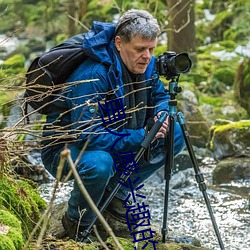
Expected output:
(143, 42)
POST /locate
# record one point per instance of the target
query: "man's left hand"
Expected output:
(164, 128)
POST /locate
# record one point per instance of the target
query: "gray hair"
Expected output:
(137, 22)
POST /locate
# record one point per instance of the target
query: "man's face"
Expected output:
(137, 53)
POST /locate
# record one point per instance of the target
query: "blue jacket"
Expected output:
(103, 69)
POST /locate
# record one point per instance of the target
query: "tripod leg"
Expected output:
(168, 172)
(199, 176)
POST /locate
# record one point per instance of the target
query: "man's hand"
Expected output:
(164, 128)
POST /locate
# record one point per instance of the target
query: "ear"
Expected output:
(118, 42)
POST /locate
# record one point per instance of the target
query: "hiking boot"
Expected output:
(74, 231)
(117, 210)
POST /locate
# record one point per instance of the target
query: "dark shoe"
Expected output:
(116, 208)
(74, 231)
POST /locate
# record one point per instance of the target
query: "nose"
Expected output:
(146, 54)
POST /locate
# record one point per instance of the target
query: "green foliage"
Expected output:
(229, 23)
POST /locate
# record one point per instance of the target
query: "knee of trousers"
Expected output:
(179, 142)
(98, 165)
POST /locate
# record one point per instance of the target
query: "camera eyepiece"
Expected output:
(170, 64)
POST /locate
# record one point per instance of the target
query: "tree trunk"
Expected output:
(71, 6)
(181, 27)
(83, 7)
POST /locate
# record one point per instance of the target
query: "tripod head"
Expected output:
(174, 89)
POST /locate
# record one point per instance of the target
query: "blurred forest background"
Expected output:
(214, 33)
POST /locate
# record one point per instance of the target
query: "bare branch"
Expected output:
(66, 154)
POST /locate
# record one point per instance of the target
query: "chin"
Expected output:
(139, 72)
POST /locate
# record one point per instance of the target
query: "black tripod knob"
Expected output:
(177, 89)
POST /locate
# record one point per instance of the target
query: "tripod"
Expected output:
(173, 90)
(124, 177)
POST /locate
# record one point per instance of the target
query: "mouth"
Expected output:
(143, 64)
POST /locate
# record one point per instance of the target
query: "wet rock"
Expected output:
(231, 169)
(231, 139)
(181, 179)
(121, 230)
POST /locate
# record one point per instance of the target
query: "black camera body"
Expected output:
(171, 65)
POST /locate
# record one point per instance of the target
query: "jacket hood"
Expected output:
(98, 43)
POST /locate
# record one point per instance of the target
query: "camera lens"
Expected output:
(182, 63)
(171, 64)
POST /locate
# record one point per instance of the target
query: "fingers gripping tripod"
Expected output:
(173, 90)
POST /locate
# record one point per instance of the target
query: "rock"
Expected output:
(231, 169)
(197, 125)
(242, 84)
(181, 179)
(120, 230)
(232, 139)
(190, 96)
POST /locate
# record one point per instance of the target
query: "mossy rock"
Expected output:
(21, 199)
(125, 243)
(232, 139)
(13, 70)
(219, 107)
(242, 85)
(16, 61)
(11, 237)
(225, 75)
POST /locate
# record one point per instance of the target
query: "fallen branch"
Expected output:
(65, 154)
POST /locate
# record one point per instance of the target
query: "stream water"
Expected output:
(187, 212)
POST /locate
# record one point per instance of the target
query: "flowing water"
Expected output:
(187, 212)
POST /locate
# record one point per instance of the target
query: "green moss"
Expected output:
(6, 243)
(212, 100)
(21, 199)
(16, 61)
(13, 238)
(225, 75)
(16, 237)
(9, 219)
(126, 244)
(13, 71)
(242, 84)
(239, 128)
(235, 125)
(228, 45)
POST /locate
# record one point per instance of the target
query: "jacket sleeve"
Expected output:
(85, 115)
